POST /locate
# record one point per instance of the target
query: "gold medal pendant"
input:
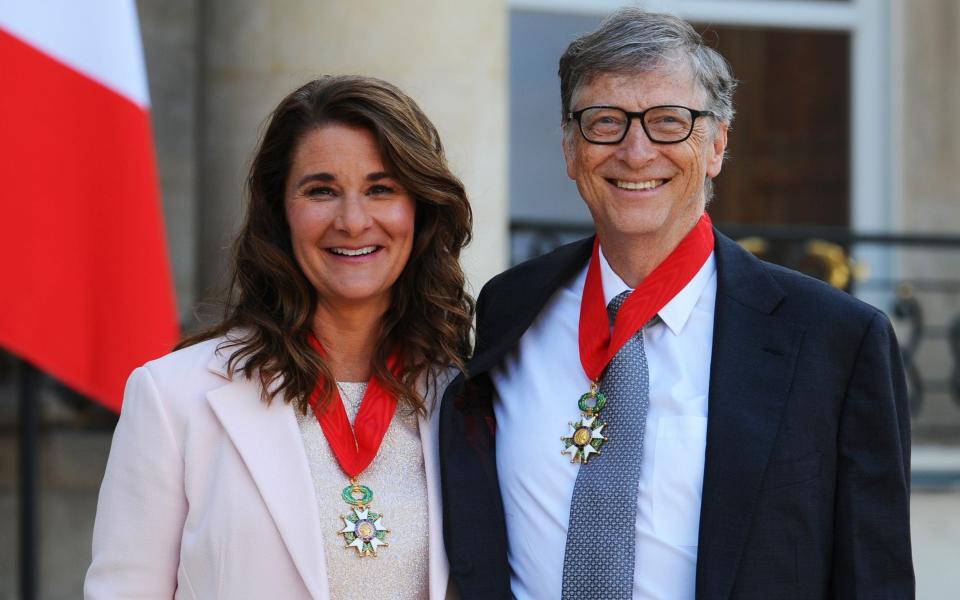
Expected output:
(586, 435)
(362, 527)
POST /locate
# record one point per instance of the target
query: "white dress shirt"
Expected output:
(538, 387)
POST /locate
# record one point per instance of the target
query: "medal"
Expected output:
(598, 345)
(586, 435)
(355, 448)
(362, 529)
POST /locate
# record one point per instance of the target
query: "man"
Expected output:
(734, 430)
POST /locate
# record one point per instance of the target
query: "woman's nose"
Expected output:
(353, 217)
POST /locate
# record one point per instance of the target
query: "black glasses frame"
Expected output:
(639, 115)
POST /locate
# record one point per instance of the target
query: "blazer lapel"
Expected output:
(439, 570)
(268, 440)
(754, 357)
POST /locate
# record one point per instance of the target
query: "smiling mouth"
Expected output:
(649, 184)
(354, 251)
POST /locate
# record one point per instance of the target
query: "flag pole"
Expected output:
(28, 442)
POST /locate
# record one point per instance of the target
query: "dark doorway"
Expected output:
(789, 151)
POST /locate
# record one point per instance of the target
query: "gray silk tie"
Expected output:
(599, 557)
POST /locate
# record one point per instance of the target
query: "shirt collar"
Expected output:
(677, 311)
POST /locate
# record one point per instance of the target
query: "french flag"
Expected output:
(86, 292)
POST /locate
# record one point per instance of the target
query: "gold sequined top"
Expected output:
(399, 484)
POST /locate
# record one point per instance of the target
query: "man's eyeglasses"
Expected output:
(662, 124)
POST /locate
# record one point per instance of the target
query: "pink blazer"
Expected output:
(208, 494)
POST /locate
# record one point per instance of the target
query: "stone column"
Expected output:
(927, 141)
(451, 57)
(929, 125)
(169, 31)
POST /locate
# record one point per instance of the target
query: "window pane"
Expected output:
(539, 187)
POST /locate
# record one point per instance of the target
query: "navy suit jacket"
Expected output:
(806, 477)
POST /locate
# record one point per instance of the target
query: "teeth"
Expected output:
(639, 185)
(357, 252)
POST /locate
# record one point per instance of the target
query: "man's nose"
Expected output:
(353, 217)
(636, 147)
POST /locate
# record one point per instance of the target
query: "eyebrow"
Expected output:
(327, 177)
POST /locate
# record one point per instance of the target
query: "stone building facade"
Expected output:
(217, 67)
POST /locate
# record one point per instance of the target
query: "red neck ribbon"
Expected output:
(355, 448)
(597, 346)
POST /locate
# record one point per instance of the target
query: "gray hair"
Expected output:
(633, 40)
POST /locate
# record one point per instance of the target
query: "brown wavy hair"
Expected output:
(269, 309)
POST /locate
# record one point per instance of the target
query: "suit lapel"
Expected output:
(474, 529)
(520, 299)
(268, 440)
(752, 369)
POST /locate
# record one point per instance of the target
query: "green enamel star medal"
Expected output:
(586, 435)
(355, 446)
(362, 528)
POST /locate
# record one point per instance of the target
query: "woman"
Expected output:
(235, 471)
